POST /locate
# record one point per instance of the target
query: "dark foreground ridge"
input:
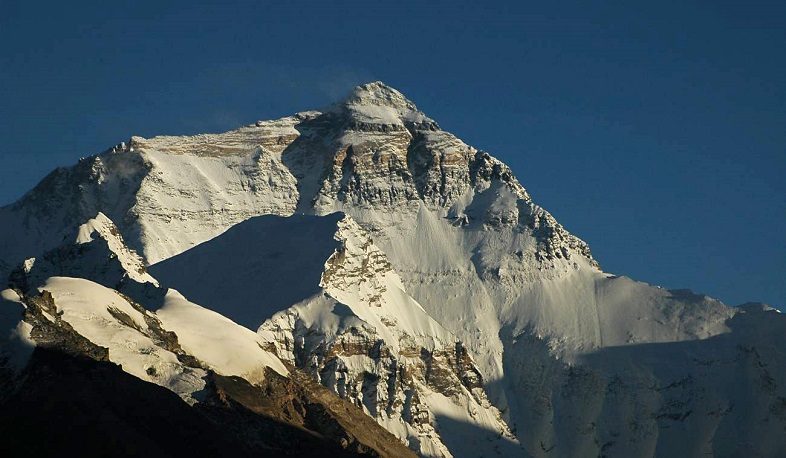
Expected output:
(68, 405)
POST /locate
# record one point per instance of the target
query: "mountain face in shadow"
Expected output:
(283, 258)
(75, 406)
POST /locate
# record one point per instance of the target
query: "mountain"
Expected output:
(408, 273)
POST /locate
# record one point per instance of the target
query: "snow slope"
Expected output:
(217, 341)
(142, 341)
(109, 320)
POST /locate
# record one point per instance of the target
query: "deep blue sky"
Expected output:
(656, 131)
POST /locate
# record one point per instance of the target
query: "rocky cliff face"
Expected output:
(437, 229)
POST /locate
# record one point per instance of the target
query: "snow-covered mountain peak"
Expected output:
(357, 264)
(379, 104)
(359, 275)
(95, 251)
(102, 228)
(378, 93)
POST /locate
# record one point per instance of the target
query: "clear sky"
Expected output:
(656, 131)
